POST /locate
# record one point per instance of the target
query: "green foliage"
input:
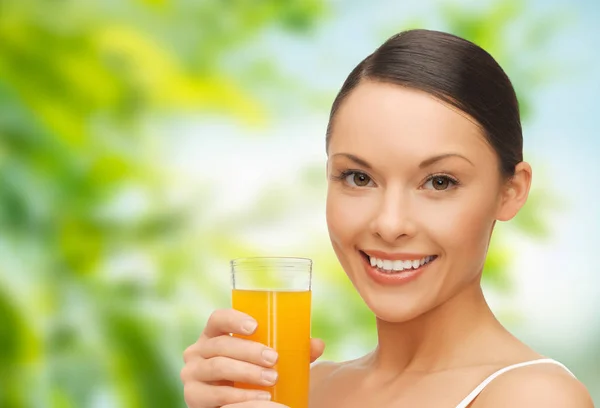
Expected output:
(79, 82)
(18, 343)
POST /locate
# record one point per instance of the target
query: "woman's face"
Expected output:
(414, 188)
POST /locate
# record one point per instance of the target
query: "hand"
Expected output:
(217, 359)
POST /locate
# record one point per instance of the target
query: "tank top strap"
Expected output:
(465, 402)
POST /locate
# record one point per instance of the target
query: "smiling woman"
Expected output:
(424, 149)
(425, 156)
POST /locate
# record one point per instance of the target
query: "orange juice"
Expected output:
(284, 324)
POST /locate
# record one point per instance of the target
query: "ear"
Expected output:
(514, 192)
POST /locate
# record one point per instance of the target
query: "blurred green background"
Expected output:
(143, 144)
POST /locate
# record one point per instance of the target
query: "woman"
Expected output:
(424, 149)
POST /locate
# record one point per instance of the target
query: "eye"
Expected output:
(357, 179)
(440, 182)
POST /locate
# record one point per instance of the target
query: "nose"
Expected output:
(394, 219)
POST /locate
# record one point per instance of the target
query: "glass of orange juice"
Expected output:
(277, 293)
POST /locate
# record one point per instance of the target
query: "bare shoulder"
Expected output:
(541, 385)
(319, 371)
(322, 368)
(322, 371)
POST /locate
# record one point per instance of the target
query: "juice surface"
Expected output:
(283, 324)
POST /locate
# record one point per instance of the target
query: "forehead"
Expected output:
(386, 118)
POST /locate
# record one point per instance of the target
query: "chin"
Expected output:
(395, 308)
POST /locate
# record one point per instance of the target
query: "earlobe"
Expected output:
(515, 192)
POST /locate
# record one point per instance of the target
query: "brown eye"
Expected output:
(361, 179)
(357, 179)
(440, 183)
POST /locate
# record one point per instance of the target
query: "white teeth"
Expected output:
(398, 265)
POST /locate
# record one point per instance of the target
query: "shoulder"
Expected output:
(322, 372)
(319, 370)
(546, 385)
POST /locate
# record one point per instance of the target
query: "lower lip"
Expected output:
(395, 278)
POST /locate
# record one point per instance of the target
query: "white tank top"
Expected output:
(469, 399)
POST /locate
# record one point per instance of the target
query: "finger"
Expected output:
(317, 347)
(191, 352)
(225, 321)
(256, 404)
(199, 395)
(239, 349)
(226, 369)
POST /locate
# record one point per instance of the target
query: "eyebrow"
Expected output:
(355, 159)
(435, 159)
(424, 163)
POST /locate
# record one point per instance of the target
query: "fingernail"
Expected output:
(264, 396)
(249, 326)
(270, 356)
(269, 376)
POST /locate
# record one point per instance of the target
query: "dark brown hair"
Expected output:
(455, 71)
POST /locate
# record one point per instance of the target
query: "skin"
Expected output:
(437, 338)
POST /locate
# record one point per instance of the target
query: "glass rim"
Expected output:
(271, 260)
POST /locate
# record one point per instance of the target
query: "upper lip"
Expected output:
(398, 256)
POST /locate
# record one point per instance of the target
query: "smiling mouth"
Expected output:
(388, 266)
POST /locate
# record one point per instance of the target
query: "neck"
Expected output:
(440, 339)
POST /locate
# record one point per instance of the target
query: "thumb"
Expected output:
(317, 346)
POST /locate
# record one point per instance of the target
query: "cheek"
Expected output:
(463, 227)
(347, 216)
